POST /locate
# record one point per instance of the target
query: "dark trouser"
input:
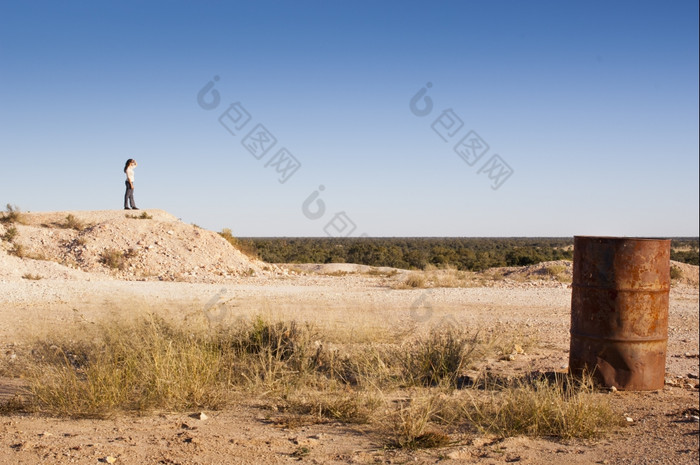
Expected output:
(129, 196)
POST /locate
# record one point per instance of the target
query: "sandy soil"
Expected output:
(339, 297)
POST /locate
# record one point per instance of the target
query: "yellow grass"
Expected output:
(404, 389)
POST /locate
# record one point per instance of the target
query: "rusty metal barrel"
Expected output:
(619, 310)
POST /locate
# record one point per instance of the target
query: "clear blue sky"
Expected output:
(592, 105)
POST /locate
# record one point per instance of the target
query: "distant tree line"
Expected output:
(473, 254)
(686, 250)
(410, 253)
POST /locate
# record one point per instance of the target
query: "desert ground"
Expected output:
(59, 280)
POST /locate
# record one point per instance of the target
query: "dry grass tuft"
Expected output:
(247, 248)
(440, 358)
(15, 404)
(12, 214)
(10, 234)
(116, 259)
(410, 425)
(113, 258)
(151, 364)
(384, 274)
(268, 356)
(558, 272)
(565, 407)
(555, 270)
(71, 222)
(415, 280)
(348, 406)
(143, 216)
(142, 366)
(32, 277)
(505, 343)
(18, 250)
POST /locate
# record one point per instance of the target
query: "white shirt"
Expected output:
(130, 174)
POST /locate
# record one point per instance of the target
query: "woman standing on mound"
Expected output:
(129, 195)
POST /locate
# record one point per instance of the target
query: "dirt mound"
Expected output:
(562, 271)
(688, 273)
(341, 268)
(559, 270)
(14, 268)
(143, 245)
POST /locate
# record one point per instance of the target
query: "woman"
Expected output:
(129, 196)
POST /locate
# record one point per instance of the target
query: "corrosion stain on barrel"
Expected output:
(619, 310)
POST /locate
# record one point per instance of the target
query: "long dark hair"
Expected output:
(128, 162)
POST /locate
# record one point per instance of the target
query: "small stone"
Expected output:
(613, 389)
(695, 418)
(629, 419)
(110, 459)
(171, 232)
(459, 454)
(201, 416)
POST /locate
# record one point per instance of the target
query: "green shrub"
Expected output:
(464, 254)
(685, 250)
(676, 272)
